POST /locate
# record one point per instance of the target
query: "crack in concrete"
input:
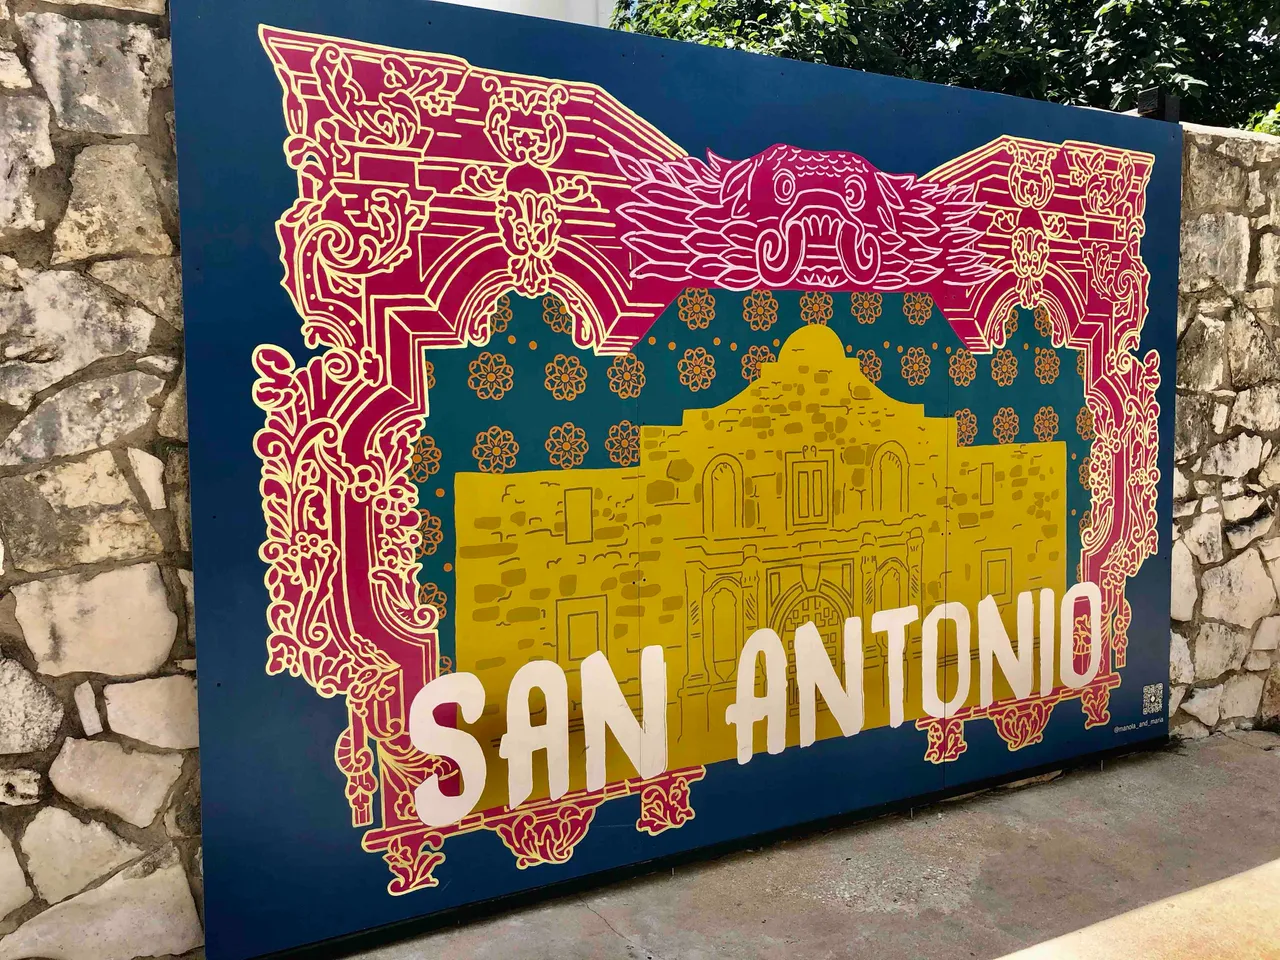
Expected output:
(649, 954)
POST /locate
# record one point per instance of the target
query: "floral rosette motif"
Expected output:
(696, 308)
(490, 376)
(1045, 424)
(915, 366)
(1083, 474)
(760, 310)
(566, 377)
(430, 534)
(697, 369)
(566, 446)
(816, 307)
(1004, 425)
(866, 307)
(424, 459)
(1084, 424)
(430, 595)
(917, 308)
(1004, 368)
(1047, 365)
(752, 359)
(962, 367)
(966, 427)
(1044, 323)
(429, 372)
(869, 360)
(556, 315)
(495, 450)
(500, 319)
(623, 443)
(626, 376)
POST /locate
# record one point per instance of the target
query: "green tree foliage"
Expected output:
(1221, 56)
(1268, 122)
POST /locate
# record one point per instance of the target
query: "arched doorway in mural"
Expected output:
(828, 615)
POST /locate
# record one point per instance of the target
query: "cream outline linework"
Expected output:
(429, 188)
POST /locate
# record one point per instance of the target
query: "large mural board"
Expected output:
(597, 458)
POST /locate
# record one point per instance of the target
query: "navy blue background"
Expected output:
(282, 864)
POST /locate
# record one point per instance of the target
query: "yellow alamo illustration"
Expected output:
(806, 510)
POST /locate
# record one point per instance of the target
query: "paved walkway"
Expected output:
(1233, 919)
(978, 878)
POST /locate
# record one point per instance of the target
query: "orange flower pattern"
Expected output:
(816, 307)
(697, 369)
(1004, 425)
(1047, 365)
(623, 443)
(500, 319)
(556, 315)
(566, 377)
(752, 359)
(915, 366)
(1045, 424)
(424, 458)
(429, 595)
(430, 535)
(1044, 325)
(491, 376)
(1004, 368)
(760, 310)
(963, 367)
(697, 308)
(429, 369)
(495, 450)
(626, 376)
(917, 308)
(566, 446)
(1086, 521)
(871, 368)
(1084, 424)
(866, 307)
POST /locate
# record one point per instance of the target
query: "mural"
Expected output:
(618, 471)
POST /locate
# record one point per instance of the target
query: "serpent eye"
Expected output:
(855, 193)
(784, 186)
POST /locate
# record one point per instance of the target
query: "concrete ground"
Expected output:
(980, 877)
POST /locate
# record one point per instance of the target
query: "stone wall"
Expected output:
(1224, 669)
(99, 790)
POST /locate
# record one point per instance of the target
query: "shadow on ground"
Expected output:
(979, 877)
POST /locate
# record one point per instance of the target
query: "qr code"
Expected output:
(1152, 698)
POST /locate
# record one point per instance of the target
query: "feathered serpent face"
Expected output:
(810, 210)
(794, 218)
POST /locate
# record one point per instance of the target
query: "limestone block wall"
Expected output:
(99, 788)
(1224, 665)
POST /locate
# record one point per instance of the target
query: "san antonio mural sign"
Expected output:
(614, 468)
